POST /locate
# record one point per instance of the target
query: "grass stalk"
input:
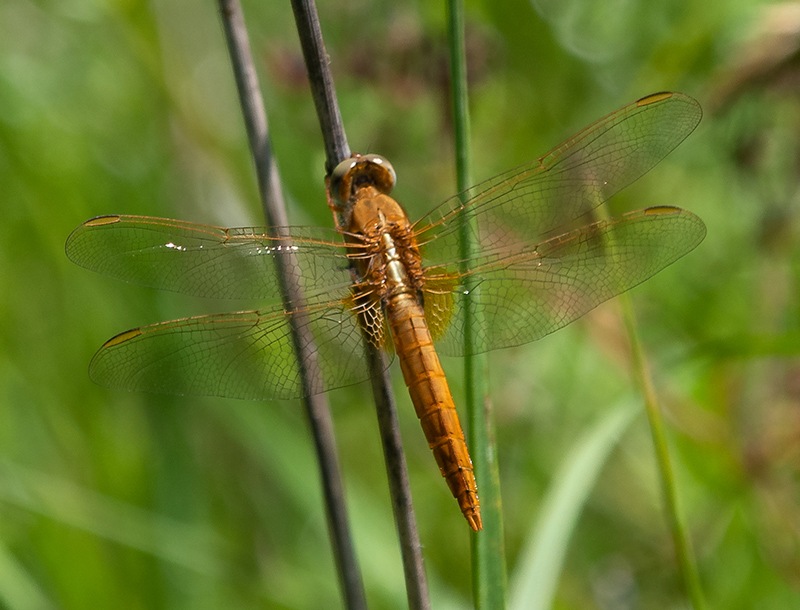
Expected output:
(336, 150)
(317, 409)
(488, 553)
(542, 557)
(676, 522)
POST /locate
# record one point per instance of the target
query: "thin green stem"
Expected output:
(488, 554)
(677, 525)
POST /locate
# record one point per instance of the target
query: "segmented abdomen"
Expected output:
(433, 402)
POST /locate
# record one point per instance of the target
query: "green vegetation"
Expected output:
(114, 500)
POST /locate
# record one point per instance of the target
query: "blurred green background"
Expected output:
(112, 500)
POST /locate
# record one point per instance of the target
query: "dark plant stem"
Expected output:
(316, 405)
(397, 474)
(336, 150)
(321, 81)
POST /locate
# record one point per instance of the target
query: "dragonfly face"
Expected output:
(541, 259)
(361, 170)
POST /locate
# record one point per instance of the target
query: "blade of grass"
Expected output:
(677, 525)
(488, 553)
(317, 408)
(189, 546)
(675, 521)
(535, 579)
(18, 588)
(336, 150)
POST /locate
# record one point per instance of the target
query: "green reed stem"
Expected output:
(488, 553)
(676, 523)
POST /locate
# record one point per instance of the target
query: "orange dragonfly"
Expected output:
(540, 260)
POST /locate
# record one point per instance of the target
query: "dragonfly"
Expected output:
(541, 256)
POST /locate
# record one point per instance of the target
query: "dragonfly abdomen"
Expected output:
(433, 401)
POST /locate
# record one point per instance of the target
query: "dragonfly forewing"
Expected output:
(556, 193)
(521, 295)
(208, 261)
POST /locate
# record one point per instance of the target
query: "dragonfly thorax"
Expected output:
(373, 213)
(384, 249)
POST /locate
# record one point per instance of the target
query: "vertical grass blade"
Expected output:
(317, 408)
(675, 520)
(337, 149)
(488, 553)
(535, 579)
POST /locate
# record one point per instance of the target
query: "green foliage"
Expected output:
(120, 500)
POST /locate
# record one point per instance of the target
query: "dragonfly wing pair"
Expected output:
(245, 354)
(542, 260)
(543, 257)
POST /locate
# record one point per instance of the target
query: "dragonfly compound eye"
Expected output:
(342, 179)
(380, 171)
(362, 170)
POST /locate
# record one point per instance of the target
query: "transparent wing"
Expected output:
(556, 193)
(209, 261)
(522, 292)
(246, 354)
(533, 270)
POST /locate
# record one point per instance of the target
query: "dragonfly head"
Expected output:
(359, 171)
